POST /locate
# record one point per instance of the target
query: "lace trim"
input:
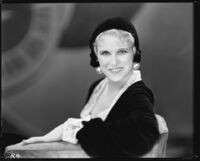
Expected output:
(135, 77)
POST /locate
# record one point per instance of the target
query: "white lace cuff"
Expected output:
(70, 129)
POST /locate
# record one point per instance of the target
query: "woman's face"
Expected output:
(115, 56)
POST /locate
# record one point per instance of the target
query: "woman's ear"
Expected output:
(95, 50)
(134, 50)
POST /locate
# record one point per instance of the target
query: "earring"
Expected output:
(98, 70)
(136, 66)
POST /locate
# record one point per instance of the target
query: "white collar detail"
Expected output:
(85, 113)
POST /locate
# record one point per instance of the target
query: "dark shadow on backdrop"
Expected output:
(83, 26)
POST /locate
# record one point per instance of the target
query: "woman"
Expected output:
(118, 119)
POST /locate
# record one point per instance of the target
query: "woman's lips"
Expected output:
(115, 70)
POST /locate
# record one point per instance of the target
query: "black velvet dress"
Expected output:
(129, 130)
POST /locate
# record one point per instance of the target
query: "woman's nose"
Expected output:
(114, 60)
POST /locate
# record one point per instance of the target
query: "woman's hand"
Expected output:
(53, 135)
(34, 140)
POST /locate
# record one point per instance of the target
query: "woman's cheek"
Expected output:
(104, 62)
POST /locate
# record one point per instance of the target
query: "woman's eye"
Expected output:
(122, 51)
(104, 53)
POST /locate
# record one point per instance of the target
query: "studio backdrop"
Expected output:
(45, 61)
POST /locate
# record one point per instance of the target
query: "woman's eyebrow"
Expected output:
(122, 49)
(103, 50)
(125, 48)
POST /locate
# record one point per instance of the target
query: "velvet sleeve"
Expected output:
(131, 136)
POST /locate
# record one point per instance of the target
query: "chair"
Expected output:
(63, 149)
(159, 149)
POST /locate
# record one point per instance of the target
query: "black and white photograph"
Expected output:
(97, 80)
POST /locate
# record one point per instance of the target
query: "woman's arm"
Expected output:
(54, 135)
(132, 136)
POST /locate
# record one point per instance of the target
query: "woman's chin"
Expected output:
(115, 79)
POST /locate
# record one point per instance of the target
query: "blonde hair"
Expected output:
(121, 34)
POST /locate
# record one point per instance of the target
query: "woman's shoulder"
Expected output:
(140, 88)
(92, 87)
(96, 82)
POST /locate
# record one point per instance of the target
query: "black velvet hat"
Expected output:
(114, 23)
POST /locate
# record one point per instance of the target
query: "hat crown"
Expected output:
(115, 23)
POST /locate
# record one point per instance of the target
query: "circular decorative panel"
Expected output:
(29, 32)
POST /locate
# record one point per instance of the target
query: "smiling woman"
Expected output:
(115, 54)
(118, 119)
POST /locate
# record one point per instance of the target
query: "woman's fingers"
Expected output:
(27, 141)
(32, 140)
